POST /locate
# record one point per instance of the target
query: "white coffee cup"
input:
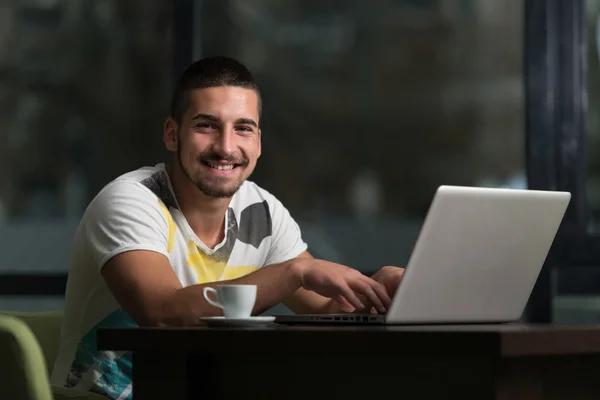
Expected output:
(236, 301)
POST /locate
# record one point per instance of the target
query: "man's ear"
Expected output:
(259, 143)
(170, 136)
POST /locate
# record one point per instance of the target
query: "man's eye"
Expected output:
(205, 126)
(244, 129)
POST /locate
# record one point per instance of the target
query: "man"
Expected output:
(152, 239)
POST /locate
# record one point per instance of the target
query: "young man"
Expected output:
(152, 239)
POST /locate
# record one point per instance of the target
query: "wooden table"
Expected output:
(352, 362)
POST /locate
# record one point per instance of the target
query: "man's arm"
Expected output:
(307, 302)
(303, 301)
(144, 284)
(287, 242)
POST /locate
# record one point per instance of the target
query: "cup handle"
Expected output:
(216, 303)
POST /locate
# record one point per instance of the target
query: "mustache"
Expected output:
(214, 157)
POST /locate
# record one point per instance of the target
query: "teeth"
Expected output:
(221, 167)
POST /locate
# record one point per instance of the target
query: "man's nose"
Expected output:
(224, 144)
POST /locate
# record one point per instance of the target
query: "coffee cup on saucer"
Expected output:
(236, 301)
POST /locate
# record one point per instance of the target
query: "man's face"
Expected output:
(218, 140)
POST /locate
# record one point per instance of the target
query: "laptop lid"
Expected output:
(478, 255)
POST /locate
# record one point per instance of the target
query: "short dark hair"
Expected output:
(211, 72)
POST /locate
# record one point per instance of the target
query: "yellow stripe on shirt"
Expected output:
(172, 225)
(208, 269)
(233, 272)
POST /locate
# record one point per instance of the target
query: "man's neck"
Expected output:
(204, 214)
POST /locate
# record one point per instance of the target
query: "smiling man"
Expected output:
(152, 239)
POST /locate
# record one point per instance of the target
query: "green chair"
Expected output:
(45, 326)
(23, 373)
(40, 349)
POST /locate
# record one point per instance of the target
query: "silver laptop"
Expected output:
(476, 259)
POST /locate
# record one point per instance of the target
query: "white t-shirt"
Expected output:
(139, 211)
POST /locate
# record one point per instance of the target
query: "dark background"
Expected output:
(368, 107)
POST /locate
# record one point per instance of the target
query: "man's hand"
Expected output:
(390, 278)
(344, 285)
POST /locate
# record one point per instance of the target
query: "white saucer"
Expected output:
(250, 321)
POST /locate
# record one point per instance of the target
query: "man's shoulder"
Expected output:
(142, 175)
(143, 184)
(126, 201)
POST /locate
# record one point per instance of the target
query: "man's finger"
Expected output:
(365, 289)
(343, 303)
(381, 291)
(352, 298)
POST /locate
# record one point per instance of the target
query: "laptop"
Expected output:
(476, 259)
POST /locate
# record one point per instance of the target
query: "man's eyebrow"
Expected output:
(205, 116)
(210, 117)
(247, 121)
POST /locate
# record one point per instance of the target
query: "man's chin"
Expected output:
(219, 195)
(219, 187)
(218, 192)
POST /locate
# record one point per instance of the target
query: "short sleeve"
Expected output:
(124, 216)
(287, 240)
